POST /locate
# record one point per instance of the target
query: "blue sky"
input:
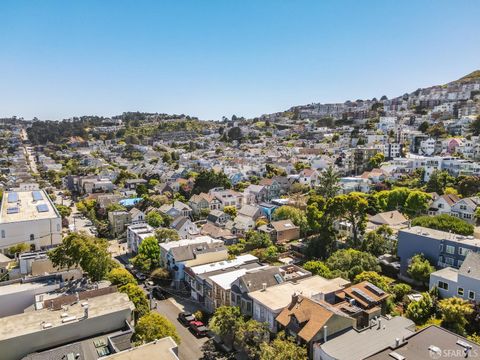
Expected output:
(210, 58)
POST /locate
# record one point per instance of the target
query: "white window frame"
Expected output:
(470, 292)
(448, 249)
(462, 292)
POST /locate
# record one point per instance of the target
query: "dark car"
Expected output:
(198, 329)
(159, 294)
(186, 318)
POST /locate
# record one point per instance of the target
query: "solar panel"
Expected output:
(278, 278)
(37, 195)
(42, 208)
(12, 197)
(13, 210)
(362, 295)
(375, 289)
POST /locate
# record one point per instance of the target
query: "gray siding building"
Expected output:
(443, 249)
(463, 283)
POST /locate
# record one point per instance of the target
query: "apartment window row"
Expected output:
(461, 292)
(450, 249)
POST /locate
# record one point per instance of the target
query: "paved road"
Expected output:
(190, 347)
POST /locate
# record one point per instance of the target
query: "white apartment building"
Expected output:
(29, 217)
(136, 233)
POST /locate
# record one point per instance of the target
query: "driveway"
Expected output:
(190, 347)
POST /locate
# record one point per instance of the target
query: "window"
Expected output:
(460, 291)
(463, 251)
(449, 261)
(471, 295)
(3, 234)
(459, 263)
(443, 285)
(32, 237)
(449, 249)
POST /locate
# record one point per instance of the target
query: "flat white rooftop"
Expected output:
(26, 205)
(224, 264)
(441, 235)
(158, 349)
(184, 242)
(279, 296)
(31, 322)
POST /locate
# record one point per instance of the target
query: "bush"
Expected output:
(444, 222)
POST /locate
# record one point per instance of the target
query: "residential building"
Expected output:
(463, 282)
(310, 321)
(136, 233)
(29, 217)
(465, 209)
(281, 231)
(432, 342)
(359, 344)
(118, 221)
(38, 330)
(442, 249)
(269, 302)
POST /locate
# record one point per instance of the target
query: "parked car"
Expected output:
(140, 276)
(198, 329)
(159, 294)
(186, 318)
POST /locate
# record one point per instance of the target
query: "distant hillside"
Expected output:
(475, 75)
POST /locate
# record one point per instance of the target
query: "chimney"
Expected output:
(264, 286)
(397, 342)
(325, 333)
(85, 312)
(294, 297)
(379, 323)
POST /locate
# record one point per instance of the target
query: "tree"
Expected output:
(318, 268)
(64, 211)
(401, 290)
(282, 348)
(154, 219)
(420, 311)
(294, 214)
(376, 160)
(148, 254)
(454, 313)
(417, 202)
(250, 335)
(120, 277)
(352, 208)
(18, 249)
(377, 242)
(424, 127)
(137, 297)
(328, 183)
(468, 185)
(87, 251)
(445, 222)
(154, 326)
(438, 181)
(235, 133)
(349, 263)
(209, 179)
(225, 322)
(165, 234)
(475, 126)
(230, 210)
(420, 268)
(374, 278)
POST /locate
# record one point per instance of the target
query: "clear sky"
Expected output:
(210, 58)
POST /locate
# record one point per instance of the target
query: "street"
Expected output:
(190, 347)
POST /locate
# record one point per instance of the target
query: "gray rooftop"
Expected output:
(357, 345)
(471, 266)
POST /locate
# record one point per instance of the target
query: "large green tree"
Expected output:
(148, 254)
(282, 348)
(209, 179)
(225, 322)
(138, 297)
(88, 252)
(455, 312)
(165, 234)
(352, 208)
(378, 241)
(120, 277)
(444, 222)
(154, 326)
(420, 311)
(250, 335)
(349, 263)
(420, 268)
